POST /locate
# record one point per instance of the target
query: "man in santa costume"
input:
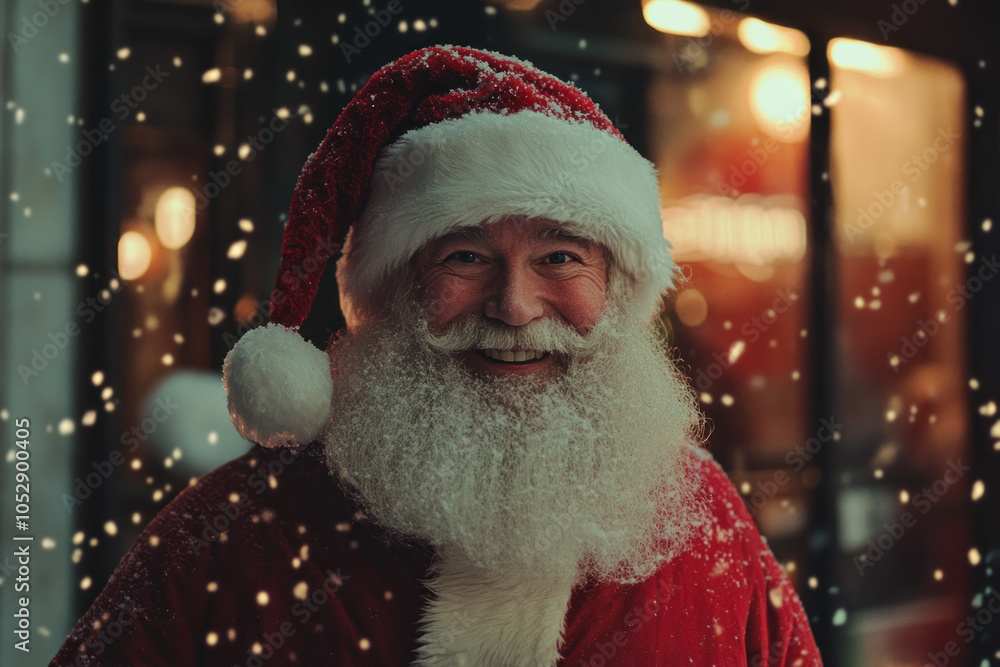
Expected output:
(496, 464)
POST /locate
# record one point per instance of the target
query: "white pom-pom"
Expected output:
(278, 387)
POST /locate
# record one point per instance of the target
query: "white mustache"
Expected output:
(479, 333)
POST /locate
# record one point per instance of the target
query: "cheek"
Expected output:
(445, 299)
(582, 303)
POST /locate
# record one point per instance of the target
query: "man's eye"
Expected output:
(464, 257)
(558, 258)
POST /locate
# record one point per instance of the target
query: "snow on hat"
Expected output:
(443, 138)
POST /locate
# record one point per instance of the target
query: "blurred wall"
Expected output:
(39, 295)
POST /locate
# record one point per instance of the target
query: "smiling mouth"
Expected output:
(512, 356)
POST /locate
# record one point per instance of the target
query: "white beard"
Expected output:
(580, 475)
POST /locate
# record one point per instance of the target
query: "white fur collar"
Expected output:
(492, 619)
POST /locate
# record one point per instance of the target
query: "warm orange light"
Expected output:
(676, 17)
(134, 255)
(520, 5)
(744, 231)
(879, 61)
(174, 217)
(761, 37)
(691, 307)
(250, 311)
(260, 12)
(779, 101)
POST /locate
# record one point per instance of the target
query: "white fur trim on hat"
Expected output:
(278, 386)
(484, 166)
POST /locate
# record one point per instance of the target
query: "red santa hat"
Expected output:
(443, 138)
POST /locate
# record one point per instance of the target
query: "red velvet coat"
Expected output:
(262, 562)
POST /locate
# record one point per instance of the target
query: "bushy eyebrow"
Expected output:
(481, 234)
(562, 234)
(466, 234)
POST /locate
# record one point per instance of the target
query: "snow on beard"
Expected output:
(584, 473)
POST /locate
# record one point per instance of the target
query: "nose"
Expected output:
(516, 298)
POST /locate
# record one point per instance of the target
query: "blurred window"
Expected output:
(897, 167)
(730, 135)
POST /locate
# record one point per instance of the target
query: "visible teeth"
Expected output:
(509, 355)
